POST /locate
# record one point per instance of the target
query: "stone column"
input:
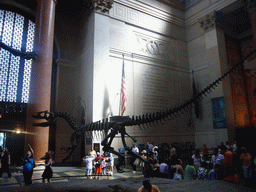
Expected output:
(251, 5)
(101, 38)
(215, 62)
(40, 84)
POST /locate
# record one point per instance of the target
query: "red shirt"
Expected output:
(233, 179)
(246, 158)
(228, 159)
(205, 150)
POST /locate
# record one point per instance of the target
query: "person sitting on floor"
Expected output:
(232, 178)
(202, 171)
(163, 169)
(148, 187)
(190, 171)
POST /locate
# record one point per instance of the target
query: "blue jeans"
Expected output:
(247, 171)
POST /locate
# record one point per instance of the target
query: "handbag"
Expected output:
(136, 162)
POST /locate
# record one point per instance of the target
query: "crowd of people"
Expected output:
(97, 164)
(225, 162)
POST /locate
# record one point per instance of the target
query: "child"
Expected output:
(98, 164)
(104, 167)
(88, 171)
(190, 171)
(211, 174)
(202, 171)
(179, 174)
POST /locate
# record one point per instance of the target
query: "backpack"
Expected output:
(177, 176)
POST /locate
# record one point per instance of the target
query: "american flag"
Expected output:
(123, 97)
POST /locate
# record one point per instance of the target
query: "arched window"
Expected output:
(17, 32)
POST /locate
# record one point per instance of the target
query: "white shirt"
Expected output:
(216, 159)
(163, 167)
(135, 150)
(234, 147)
(197, 161)
(93, 153)
(88, 162)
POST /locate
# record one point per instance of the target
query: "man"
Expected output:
(217, 158)
(109, 161)
(135, 150)
(228, 161)
(163, 169)
(150, 148)
(172, 150)
(147, 186)
(5, 161)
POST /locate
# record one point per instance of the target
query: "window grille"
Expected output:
(17, 32)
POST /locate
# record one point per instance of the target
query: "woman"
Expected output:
(93, 153)
(47, 174)
(143, 156)
(179, 172)
(28, 166)
(197, 157)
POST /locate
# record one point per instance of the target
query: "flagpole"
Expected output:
(194, 89)
(120, 104)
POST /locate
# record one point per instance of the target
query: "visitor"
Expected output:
(190, 171)
(47, 174)
(234, 148)
(203, 171)
(155, 153)
(232, 177)
(197, 157)
(246, 159)
(211, 174)
(88, 161)
(163, 169)
(218, 172)
(143, 156)
(227, 161)
(148, 187)
(156, 167)
(217, 158)
(205, 150)
(109, 161)
(179, 172)
(28, 166)
(172, 150)
(227, 145)
(135, 150)
(149, 169)
(92, 153)
(149, 148)
(98, 165)
(5, 163)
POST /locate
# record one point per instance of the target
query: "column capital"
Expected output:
(250, 4)
(102, 5)
(208, 21)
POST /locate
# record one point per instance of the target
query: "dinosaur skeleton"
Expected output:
(118, 123)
